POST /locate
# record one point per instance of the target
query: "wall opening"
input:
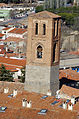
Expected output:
(55, 52)
(55, 28)
(39, 51)
(44, 29)
(36, 29)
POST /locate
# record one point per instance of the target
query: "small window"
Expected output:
(44, 29)
(36, 29)
(54, 52)
(39, 52)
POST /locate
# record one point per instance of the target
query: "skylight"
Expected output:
(44, 97)
(2, 109)
(43, 111)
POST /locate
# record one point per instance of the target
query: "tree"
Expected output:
(22, 77)
(5, 75)
(39, 8)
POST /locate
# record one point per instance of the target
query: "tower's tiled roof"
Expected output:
(45, 14)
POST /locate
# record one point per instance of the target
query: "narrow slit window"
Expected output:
(54, 28)
(36, 29)
(39, 52)
(54, 52)
(44, 29)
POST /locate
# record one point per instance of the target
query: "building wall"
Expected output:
(42, 74)
(40, 79)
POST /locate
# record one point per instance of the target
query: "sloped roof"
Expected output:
(15, 39)
(45, 14)
(69, 74)
(16, 111)
(69, 91)
(18, 31)
(1, 35)
(14, 62)
(7, 28)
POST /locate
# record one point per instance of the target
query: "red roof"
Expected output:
(18, 31)
(13, 62)
(15, 39)
(1, 35)
(11, 68)
(69, 91)
(69, 74)
(7, 28)
(16, 111)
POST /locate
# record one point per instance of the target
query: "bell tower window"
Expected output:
(39, 52)
(55, 28)
(36, 29)
(55, 52)
(44, 29)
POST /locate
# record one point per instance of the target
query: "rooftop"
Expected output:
(45, 14)
(69, 91)
(69, 74)
(1, 35)
(7, 28)
(15, 39)
(13, 62)
(16, 111)
(3, 4)
(18, 31)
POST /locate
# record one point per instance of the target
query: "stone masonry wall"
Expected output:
(40, 79)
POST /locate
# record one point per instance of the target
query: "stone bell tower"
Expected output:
(43, 50)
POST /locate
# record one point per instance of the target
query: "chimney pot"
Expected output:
(29, 104)
(64, 105)
(24, 102)
(14, 92)
(70, 107)
(6, 90)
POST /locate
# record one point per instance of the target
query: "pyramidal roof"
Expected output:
(45, 14)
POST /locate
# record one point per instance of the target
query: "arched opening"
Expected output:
(39, 51)
(44, 29)
(36, 29)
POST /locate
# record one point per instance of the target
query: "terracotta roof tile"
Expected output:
(69, 74)
(69, 91)
(7, 28)
(45, 14)
(14, 62)
(16, 111)
(3, 4)
(18, 31)
(15, 39)
(1, 34)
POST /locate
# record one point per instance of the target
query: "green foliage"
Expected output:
(68, 10)
(22, 78)
(68, 18)
(5, 75)
(39, 8)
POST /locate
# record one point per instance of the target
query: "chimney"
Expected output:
(73, 100)
(6, 90)
(64, 105)
(14, 92)
(24, 102)
(49, 93)
(70, 107)
(57, 92)
(29, 104)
